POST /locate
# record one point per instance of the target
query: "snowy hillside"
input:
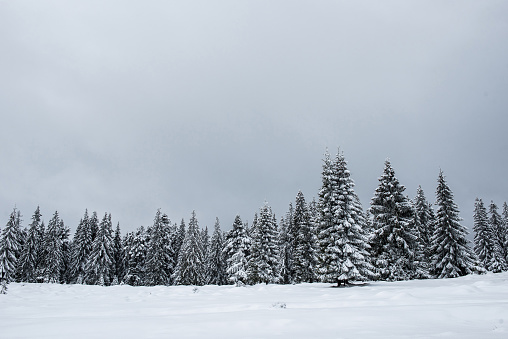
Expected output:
(468, 307)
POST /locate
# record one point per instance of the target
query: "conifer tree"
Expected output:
(65, 272)
(159, 257)
(136, 244)
(29, 259)
(54, 250)
(100, 262)
(94, 225)
(483, 240)
(178, 239)
(10, 247)
(343, 243)
(394, 240)
(452, 255)
(236, 251)
(264, 251)
(119, 256)
(303, 242)
(498, 263)
(504, 235)
(285, 249)
(81, 249)
(424, 222)
(216, 261)
(191, 262)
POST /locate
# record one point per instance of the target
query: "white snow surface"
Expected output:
(474, 306)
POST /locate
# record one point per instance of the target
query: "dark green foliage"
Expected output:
(216, 262)
(159, 257)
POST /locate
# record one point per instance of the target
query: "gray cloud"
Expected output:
(126, 107)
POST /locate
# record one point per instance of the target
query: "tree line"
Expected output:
(330, 240)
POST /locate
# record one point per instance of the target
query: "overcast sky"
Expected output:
(217, 106)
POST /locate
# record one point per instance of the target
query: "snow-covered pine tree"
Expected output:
(82, 246)
(216, 261)
(264, 251)
(205, 243)
(159, 257)
(118, 256)
(94, 225)
(303, 245)
(452, 255)
(236, 251)
(285, 266)
(498, 263)
(178, 239)
(190, 268)
(28, 263)
(65, 272)
(41, 259)
(100, 261)
(424, 222)
(504, 235)
(10, 247)
(54, 250)
(344, 256)
(136, 244)
(394, 241)
(483, 239)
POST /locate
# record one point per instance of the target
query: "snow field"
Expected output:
(468, 307)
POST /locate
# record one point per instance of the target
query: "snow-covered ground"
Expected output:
(468, 307)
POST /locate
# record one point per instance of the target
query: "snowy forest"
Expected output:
(330, 239)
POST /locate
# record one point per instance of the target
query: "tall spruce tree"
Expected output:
(424, 222)
(452, 257)
(504, 235)
(394, 239)
(483, 239)
(496, 225)
(236, 251)
(10, 248)
(53, 243)
(100, 262)
(216, 261)
(264, 251)
(81, 249)
(343, 255)
(119, 256)
(286, 272)
(303, 242)
(190, 268)
(29, 259)
(159, 257)
(136, 244)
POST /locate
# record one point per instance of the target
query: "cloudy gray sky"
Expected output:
(217, 106)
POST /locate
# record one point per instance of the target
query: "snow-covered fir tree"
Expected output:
(159, 257)
(28, 264)
(264, 251)
(82, 246)
(342, 241)
(10, 248)
(100, 261)
(497, 228)
(190, 269)
(484, 246)
(94, 225)
(394, 239)
(118, 256)
(216, 262)
(236, 250)
(65, 273)
(452, 256)
(504, 234)
(424, 219)
(53, 243)
(178, 239)
(286, 245)
(303, 242)
(136, 244)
